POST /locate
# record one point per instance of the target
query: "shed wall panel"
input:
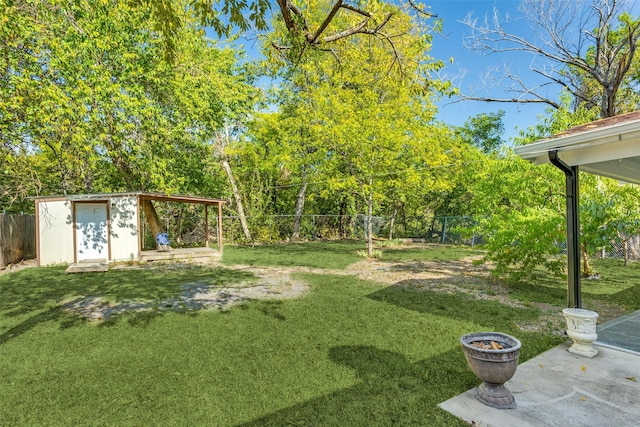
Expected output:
(124, 228)
(55, 232)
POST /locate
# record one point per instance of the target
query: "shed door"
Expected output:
(92, 241)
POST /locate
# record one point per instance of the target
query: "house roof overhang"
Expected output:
(608, 147)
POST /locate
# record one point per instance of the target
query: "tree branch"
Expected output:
(510, 100)
(327, 20)
(583, 41)
(346, 33)
(285, 10)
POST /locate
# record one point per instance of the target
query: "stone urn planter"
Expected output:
(581, 328)
(493, 358)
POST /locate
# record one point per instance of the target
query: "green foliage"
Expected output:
(609, 213)
(484, 131)
(521, 215)
(522, 240)
(375, 254)
(89, 103)
(353, 127)
(522, 206)
(222, 16)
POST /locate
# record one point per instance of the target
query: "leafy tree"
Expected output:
(316, 24)
(525, 206)
(520, 209)
(299, 153)
(89, 102)
(484, 131)
(360, 115)
(625, 217)
(588, 50)
(609, 212)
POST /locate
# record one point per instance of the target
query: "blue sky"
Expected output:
(468, 66)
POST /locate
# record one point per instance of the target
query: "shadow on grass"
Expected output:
(542, 288)
(390, 390)
(491, 314)
(26, 295)
(430, 252)
(618, 285)
(271, 309)
(628, 298)
(52, 314)
(317, 254)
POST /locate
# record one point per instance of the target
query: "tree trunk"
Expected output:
(586, 267)
(633, 247)
(236, 195)
(178, 215)
(370, 220)
(625, 247)
(299, 209)
(343, 219)
(152, 217)
(392, 222)
(219, 148)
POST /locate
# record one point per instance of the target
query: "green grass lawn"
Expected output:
(349, 353)
(619, 286)
(334, 255)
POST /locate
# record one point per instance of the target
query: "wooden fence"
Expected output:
(17, 238)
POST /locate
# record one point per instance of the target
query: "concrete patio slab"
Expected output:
(622, 333)
(88, 267)
(558, 388)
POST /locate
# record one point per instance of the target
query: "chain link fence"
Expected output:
(627, 247)
(459, 230)
(452, 229)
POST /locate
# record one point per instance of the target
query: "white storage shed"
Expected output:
(100, 227)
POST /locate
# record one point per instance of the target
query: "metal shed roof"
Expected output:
(150, 196)
(608, 147)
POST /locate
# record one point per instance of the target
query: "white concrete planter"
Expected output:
(581, 328)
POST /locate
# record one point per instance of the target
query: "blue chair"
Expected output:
(162, 239)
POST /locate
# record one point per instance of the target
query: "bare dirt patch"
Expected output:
(451, 277)
(25, 263)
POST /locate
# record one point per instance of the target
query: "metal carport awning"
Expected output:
(609, 147)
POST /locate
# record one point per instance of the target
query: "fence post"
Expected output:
(365, 226)
(444, 229)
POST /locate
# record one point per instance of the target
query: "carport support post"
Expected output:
(206, 226)
(573, 229)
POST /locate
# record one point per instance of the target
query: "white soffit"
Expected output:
(612, 151)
